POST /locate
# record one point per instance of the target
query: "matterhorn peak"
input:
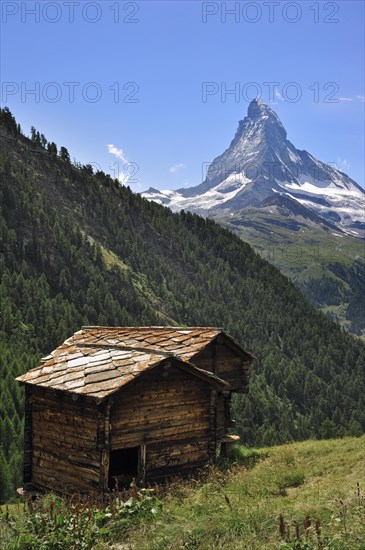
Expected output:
(260, 165)
(258, 108)
(262, 123)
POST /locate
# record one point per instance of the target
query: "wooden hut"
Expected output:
(121, 403)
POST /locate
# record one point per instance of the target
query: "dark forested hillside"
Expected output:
(76, 248)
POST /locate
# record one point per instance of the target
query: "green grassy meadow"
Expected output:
(307, 495)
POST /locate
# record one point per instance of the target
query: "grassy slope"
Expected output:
(291, 250)
(240, 508)
(308, 253)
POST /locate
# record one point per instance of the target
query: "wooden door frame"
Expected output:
(141, 467)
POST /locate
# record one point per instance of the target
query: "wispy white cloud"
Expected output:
(126, 168)
(113, 150)
(357, 97)
(176, 167)
(279, 95)
(343, 164)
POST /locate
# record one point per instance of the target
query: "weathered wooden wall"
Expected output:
(163, 459)
(223, 361)
(168, 411)
(65, 454)
(28, 443)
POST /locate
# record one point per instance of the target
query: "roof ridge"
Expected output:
(126, 348)
(87, 327)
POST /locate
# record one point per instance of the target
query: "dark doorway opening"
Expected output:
(123, 467)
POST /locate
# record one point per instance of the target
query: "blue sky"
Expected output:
(142, 88)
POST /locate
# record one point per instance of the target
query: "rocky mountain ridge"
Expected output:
(261, 163)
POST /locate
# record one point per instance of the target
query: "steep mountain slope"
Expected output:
(276, 196)
(328, 266)
(261, 162)
(77, 248)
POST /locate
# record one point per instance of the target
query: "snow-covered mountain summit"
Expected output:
(261, 163)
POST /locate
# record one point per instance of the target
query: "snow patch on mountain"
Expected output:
(200, 204)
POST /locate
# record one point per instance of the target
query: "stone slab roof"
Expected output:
(97, 361)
